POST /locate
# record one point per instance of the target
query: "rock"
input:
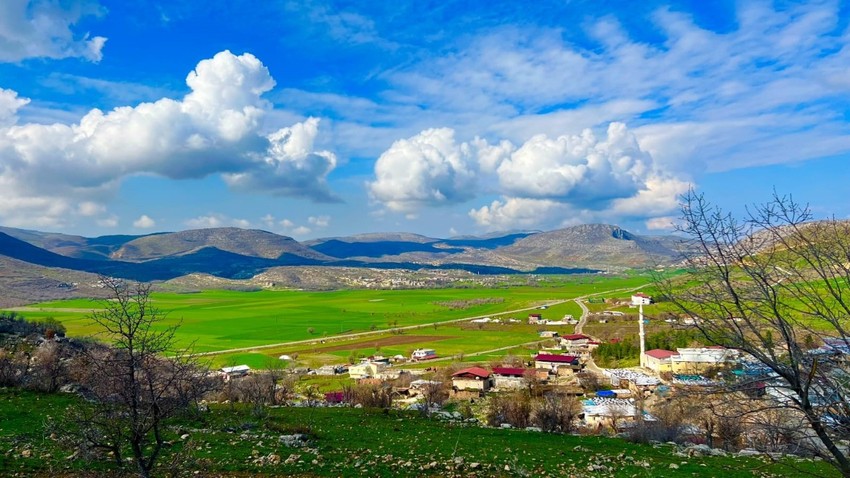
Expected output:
(184, 436)
(26, 453)
(506, 425)
(718, 452)
(507, 468)
(273, 459)
(458, 460)
(749, 452)
(533, 429)
(673, 466)
(474, 465)
(457, 415)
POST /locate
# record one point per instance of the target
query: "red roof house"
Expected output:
(509, 371)
(472, 378)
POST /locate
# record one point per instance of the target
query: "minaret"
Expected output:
(642, 335)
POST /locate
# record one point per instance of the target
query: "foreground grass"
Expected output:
(361, 442)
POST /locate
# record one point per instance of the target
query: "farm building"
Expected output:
(640, 298)
(609, 412)
(423, 354)
(700, 359)
(235, 371)
(558, 364)
(658, 360)
(508, 378)
(548, 334)
(534, 318)
(472, 378)
(366, 370)
(575, 340)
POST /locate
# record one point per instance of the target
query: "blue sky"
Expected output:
(322, 118)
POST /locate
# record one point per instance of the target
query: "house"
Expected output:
(639, 298)
(423, 354)
(548, 334)
(658, 360)
(573, 340)
(699, 359)
(508, 378)
(558, 364)
(235, 371)
(366, 370)
(534, 318)
(472, 378)
(606, 412)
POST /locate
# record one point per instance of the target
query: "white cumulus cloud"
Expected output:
(44, 29)
(216, 128)
(429, 169)
(577, 167)
(144, 222)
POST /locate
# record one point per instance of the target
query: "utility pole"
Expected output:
(642, 335)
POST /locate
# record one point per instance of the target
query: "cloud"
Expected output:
(144, 222)
(205, 222)
(291, 167)
(10, 103)
(428, 169)
(110, 221)
(664, 223)
(215, 128)
(319, 221)
(43, 29)
(516, 213)
(88, 208)
(577, 168)
(214, 220)
(543, 182)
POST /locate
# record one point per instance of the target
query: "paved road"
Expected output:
(584, 313)
(337, 338)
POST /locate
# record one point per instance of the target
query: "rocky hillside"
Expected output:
(244, 242)
(595, 246)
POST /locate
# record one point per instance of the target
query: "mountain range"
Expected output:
(233, 253)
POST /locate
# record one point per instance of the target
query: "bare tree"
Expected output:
(136, 389)
(556, 413)
(761, 286)
(433, 393)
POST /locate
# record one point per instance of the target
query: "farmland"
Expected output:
(216, 320)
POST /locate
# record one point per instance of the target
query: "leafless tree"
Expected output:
(49, 369)
(556, 413)
(433, 393)
(135, 388)
(762, 285)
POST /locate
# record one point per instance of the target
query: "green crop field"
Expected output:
(219, 320)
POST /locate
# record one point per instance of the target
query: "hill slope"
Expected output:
(593, 245)
(244, 242)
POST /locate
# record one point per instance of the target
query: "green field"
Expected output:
(220, 320)
(351, 442)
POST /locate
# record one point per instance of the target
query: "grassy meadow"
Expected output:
(218, 320)
(232, 442)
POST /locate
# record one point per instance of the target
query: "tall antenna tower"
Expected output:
(642, 335)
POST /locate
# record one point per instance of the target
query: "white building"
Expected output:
(640, 298)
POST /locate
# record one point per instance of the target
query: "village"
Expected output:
(602, 400)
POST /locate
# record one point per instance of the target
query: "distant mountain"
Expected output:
(487, 242)
(243, 242)
(98, 248)
(236, 254)
(596, 246)
(343, 250)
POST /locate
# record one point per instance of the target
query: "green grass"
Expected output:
(363, 442)
(218, 320)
